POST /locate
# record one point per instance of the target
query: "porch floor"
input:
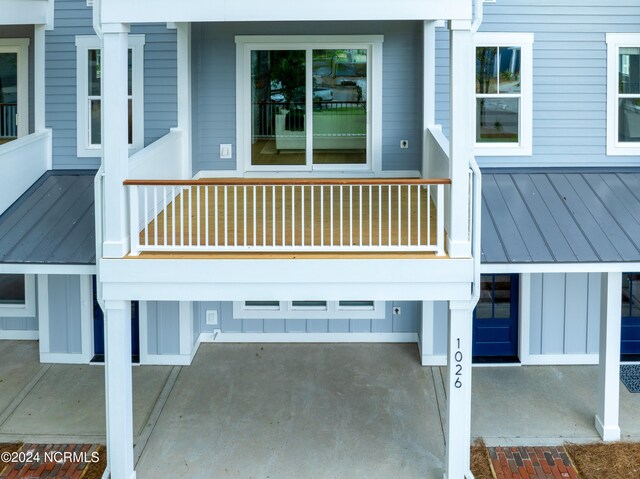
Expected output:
(358, 222)
(340, 410)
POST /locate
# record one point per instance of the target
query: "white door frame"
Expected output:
(20, 46)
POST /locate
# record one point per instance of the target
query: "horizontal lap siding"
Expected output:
(73, 17)
(569, 74)
(214, 86)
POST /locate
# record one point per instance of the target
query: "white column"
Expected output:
(461, 99)
(118, 389)
(38, 78)
(458, 427)
(607, 422)
(115, 142)
(184, 95)
(428, 89)
(426, 337)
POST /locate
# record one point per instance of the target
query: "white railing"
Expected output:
(22, 162)
(267, 215)
(98, 193)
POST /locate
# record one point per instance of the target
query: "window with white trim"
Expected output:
(313, 309)
(89, 94)
(17, 295)
(308, 103)
(623, 94)
(503, 90)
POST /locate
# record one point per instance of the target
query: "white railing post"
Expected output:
(134, 219)
(440, 220)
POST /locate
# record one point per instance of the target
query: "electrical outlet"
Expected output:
(404, 144)
(397, 311)
(226, 152)
(212, 318)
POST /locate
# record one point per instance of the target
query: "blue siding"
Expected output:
(163, 327)
(73, 17)
(569, 75)
(65, 328)
(214, 86)
(406, 322)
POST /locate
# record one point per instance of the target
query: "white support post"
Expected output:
(425, 343)
(606, 421)
(38, 79)
(461, 142)
(118, 389)
(428, 89)
(184, 95)
(115, 142)
(458, 427)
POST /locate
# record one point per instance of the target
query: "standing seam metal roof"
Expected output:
(52, 222)
(560, 216)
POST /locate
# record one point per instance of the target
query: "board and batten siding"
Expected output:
(65, 326)
(73, 17)
(163, 327)
(565, 313)
(406, 322)
(214, 86)
(569, 75)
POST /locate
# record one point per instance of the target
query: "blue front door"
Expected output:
(630, 344)
(495, 319)
(98, 329)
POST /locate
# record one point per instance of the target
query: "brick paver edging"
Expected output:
(531, 463)
(51, 461)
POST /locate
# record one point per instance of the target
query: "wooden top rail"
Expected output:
(289, 181)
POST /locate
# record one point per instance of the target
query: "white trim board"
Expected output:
(559, 359)
(24, 268)
(19, 334)
(512, 268)
(219, 337)
(63, 358)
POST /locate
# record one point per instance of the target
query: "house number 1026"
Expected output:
(457, 366)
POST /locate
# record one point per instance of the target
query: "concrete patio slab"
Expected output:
(19, 362)
(69, 401)
(274, 410)
(543, 405)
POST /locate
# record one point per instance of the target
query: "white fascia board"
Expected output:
(24, 12)
(513, 268)
(286, 280)
(142, 11)
(24, 268)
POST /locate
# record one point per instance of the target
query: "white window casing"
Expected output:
(615, 41)
(85, 43)
(28, 309)
(245, 44)
(524, 41)
(289, 310)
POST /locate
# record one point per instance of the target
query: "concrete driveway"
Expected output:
(298, 410)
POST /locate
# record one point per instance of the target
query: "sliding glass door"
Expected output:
(309, 108)
(14, 109)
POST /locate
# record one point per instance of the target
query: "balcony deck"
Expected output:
(286, 219)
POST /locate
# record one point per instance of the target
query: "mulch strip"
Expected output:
(619, 460)
(480, 461)
(68, 461)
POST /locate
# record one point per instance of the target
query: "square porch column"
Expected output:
(607, 422)
(115, 137)
(118, 389)
(461, 98)
(458, 427)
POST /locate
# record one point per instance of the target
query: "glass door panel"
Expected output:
(8, 96)
(340, 106)
(278, 99)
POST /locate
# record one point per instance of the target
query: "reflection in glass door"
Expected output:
(309, 107)
(278, 103)
(340, 106)
(8, 96)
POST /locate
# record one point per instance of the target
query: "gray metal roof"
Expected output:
(52, 222)
(560, 216)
